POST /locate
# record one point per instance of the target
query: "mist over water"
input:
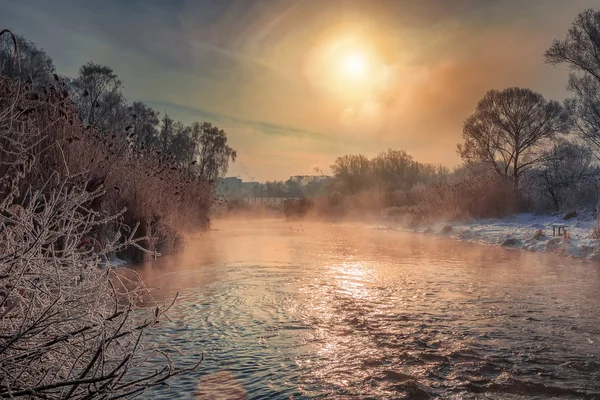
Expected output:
(317, 310)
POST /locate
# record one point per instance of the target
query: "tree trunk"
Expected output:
(554, 199)
(516, 177)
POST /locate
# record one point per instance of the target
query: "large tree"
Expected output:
(181, 146)
(353, 173)
(580, 50)
(97, 93)
(394, 169)
(567, 167)
(31, 64)
(507, 129)
(143, 129)
(214, 152)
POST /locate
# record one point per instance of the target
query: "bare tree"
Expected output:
(390, 170)
(580, 50)
(181, 146)
(507, 128)
(32, 63)
(397, 170)
(97, 93)
(567, 167)
(353, 172)
(166, 133)
(394, 169)
(144, 125)
(215, 153)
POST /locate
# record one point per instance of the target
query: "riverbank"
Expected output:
(524, 231)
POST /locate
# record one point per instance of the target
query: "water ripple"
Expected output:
(348, 312)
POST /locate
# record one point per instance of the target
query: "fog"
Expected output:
(306, 309)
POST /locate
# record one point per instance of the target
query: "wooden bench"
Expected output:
(559, 228)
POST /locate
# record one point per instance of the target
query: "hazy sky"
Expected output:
(296, 83)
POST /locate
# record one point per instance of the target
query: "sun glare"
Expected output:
(346, 67)
(355, 65)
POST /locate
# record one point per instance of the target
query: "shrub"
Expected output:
(165, 199)
(296, 208)
(69, 329)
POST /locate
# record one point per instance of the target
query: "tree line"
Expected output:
(546, 151)
(82, 178)
(390, 170)
(97, 95)
(524, 137)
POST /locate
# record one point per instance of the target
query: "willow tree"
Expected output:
(580, 50)
(214, 152)
(507, 129)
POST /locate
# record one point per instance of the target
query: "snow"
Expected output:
(113, 261)
(527, 232)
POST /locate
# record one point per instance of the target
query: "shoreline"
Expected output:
(522, 231)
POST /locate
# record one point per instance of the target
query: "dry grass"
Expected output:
(69, 329)
(478, 196)
(68, 199)
(165, 199)
(484, 196)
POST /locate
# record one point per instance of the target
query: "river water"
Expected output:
(300, 310)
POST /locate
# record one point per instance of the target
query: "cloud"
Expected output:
(189, 113)
(243, 66)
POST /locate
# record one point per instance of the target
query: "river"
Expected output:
(304, 310)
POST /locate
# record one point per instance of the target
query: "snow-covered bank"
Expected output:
(113, 261)
(527, 232)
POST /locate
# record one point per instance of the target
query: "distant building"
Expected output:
(229, 184)
(249, 188)
(234, 186)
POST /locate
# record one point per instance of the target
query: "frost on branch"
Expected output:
(69, 329)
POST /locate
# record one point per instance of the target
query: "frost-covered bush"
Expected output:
(167, 200)
(475, 196)
(69, 329)
(564, 179)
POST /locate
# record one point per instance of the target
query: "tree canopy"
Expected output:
(506, 129)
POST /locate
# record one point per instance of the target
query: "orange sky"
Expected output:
(272, 73)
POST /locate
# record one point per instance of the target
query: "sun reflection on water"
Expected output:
(337, 312)
(352, 278)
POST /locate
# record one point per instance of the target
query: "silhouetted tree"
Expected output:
(353, 172)
(97, 93)
(195, 133)
(394, 169)
(181, 145)
(143, 129)
(507, 128)
(33, 63)
(390, 170)
(214, 152)
(567, 166)
(293, 188)
(581, 51)
(165, 134)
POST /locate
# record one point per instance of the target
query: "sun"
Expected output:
(355, 64)
(346, 67)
